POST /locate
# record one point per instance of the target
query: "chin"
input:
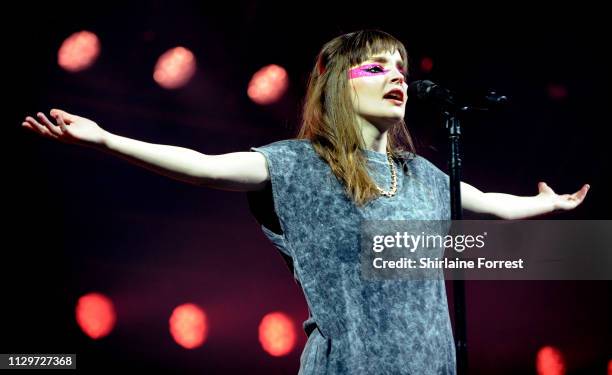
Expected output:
(384, 121)
(388, 122)
(395, 117)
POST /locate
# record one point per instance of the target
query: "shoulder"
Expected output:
(288, 152)
(286, 146)
(288, 158)
(425, 163)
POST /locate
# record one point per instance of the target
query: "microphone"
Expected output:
(428, 90)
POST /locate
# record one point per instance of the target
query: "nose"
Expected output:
(398, 77)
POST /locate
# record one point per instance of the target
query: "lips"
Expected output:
(395, 94)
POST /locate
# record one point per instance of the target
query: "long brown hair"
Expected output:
(329, 119)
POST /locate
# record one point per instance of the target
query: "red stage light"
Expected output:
(188, 326)
(277, 334)
(549, 361)
(426, 64)
(175, 68)
(79, 51)
(95, 315)
(268, 84)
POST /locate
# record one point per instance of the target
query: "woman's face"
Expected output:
(379, 89)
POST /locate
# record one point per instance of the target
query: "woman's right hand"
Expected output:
(70, 128)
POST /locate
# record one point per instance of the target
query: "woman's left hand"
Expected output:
(565, 201)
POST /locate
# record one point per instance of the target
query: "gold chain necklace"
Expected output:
(393, 189)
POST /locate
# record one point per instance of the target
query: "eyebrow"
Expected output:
(384, 60)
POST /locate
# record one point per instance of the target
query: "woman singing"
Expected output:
(352, 160)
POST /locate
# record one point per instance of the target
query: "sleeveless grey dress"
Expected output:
(355, 326)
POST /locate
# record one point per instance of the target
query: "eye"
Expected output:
(375, 69)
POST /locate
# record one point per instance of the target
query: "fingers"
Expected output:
(48, 124)
(544, 188)
(60, 121)
(34, 125)
(581, 194)
(68, 118)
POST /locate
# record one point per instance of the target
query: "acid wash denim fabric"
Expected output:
(356, 326)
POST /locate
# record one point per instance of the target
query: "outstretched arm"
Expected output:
(508, 206)
(237, 171)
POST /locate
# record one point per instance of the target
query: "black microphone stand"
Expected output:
(451, 113)
(453, 126)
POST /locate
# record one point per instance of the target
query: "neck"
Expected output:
(375, 139)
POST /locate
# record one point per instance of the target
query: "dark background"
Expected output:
(78, 221)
